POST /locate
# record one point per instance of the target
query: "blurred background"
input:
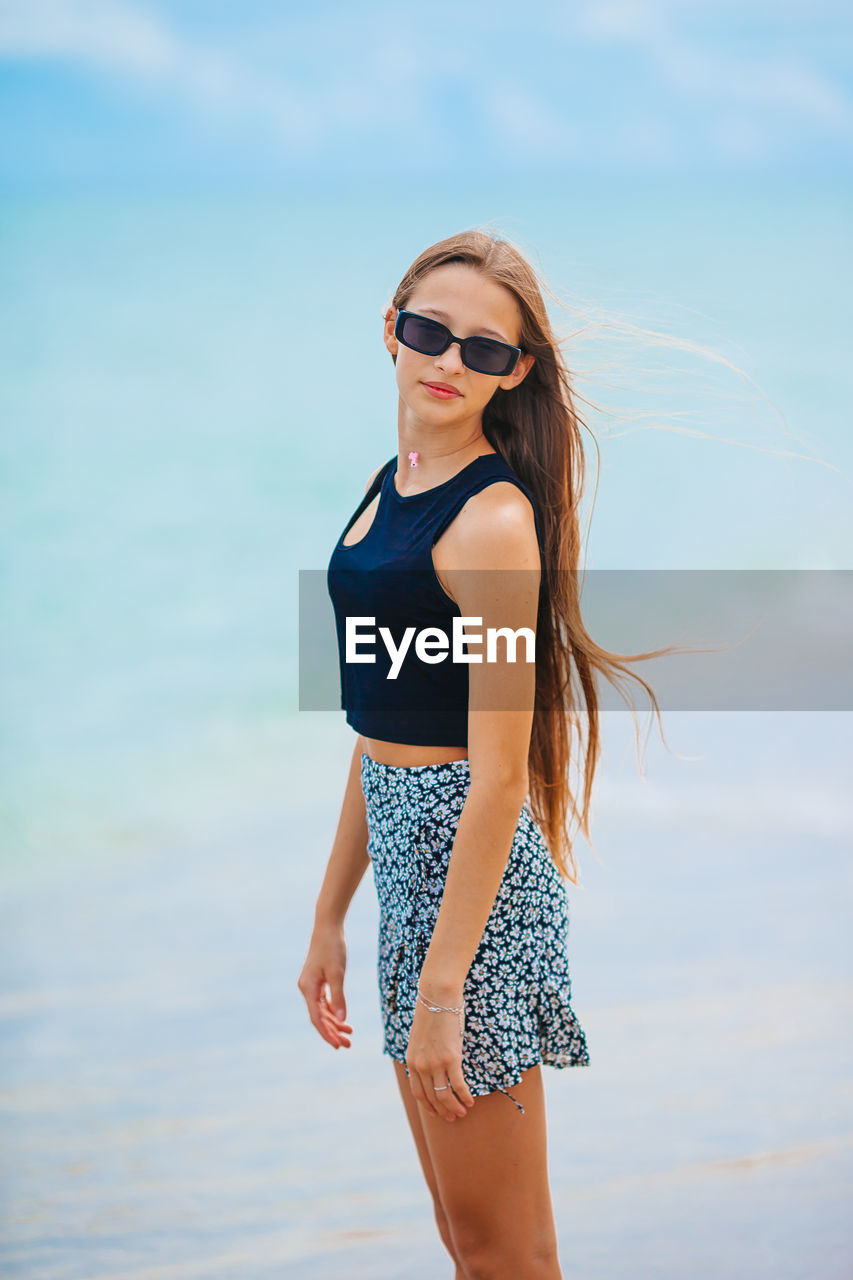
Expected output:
(195, 199)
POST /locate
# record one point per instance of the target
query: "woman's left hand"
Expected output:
(434, 1058)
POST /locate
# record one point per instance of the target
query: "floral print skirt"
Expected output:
(517, 992)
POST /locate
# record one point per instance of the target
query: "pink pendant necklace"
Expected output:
(413, 457)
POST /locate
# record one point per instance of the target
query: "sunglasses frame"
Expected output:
(513, 353)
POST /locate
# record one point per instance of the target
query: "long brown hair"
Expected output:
(536, 427)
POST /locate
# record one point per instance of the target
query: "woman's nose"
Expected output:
(451, 358)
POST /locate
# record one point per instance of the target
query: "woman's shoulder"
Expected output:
(500, 501)
(498, 519)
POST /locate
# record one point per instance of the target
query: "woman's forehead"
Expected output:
(483, 307)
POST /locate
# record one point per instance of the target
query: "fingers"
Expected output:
(457, 1084)
(450, 1106)
(334, 1029)
(336, 995)
(419, 1093)
(455, 1097)
(442, 1092)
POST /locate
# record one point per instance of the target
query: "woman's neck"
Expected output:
(435, 468)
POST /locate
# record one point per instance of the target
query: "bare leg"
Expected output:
(491, 1176)
(415, 1117)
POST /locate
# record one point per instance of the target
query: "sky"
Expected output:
(197, 90)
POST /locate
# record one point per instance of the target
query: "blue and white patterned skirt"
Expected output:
(517, 992)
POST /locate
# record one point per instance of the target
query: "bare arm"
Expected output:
(481, 848)
(499, 541)
(322, 978)
(348, 860)
(501, 535)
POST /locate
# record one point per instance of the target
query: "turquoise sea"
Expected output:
(193, 394)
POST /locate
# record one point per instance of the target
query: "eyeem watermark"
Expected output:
(432, 644)
(762, 639)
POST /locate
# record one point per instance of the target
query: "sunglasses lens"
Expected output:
(485, 356)
(426, 336)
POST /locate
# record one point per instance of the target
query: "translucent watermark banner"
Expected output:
(740, 640)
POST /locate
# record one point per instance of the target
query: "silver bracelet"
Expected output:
(443, 1008)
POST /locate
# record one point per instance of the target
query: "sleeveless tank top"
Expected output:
(388, 579)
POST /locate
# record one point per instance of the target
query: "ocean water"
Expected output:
(184, 429)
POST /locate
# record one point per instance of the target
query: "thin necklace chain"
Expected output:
(415, 454)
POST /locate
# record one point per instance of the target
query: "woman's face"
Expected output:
(469, 304)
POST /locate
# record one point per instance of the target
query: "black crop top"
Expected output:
(388, 579)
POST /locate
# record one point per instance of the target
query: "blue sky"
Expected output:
(181, 89)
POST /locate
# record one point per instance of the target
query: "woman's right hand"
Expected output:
(322, 984)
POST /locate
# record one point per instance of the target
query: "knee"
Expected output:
(444, 1231)
(482, 1257)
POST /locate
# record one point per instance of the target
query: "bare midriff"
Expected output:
(399, 755)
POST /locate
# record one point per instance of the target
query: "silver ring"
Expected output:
(438, 1087)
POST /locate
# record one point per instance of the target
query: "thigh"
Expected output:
(491, 1171)
(415, 1114)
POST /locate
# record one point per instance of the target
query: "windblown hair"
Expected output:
(536, 427)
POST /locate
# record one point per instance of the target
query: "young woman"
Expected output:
(458, 790)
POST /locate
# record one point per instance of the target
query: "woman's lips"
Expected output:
(440, 392)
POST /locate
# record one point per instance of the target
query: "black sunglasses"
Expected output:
(483, 355)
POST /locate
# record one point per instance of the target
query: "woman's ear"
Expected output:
(390, 318)
(519, 373)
